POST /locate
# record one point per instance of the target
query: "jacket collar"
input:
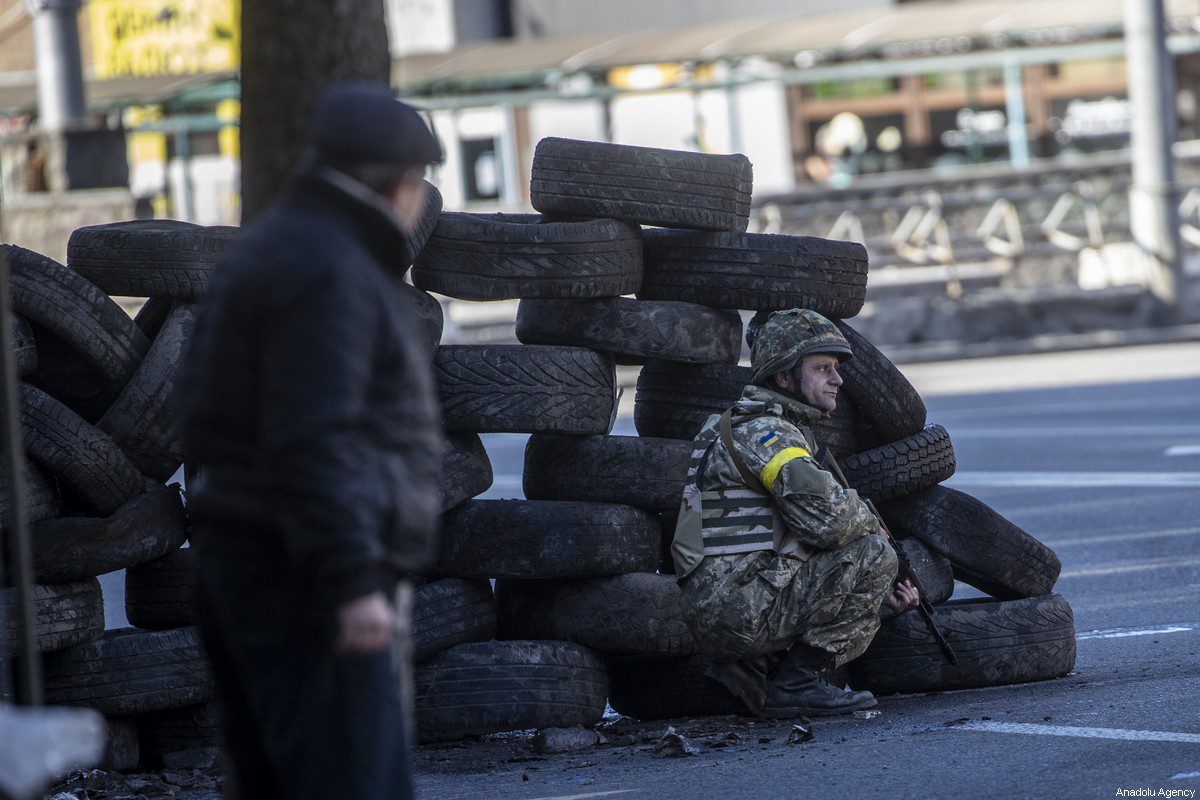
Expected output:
(357, 207)
(757, 400)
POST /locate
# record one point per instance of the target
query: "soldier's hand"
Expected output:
(365, 624)
(904, 597)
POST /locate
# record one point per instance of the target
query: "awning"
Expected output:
(943, 25)
(18, 91)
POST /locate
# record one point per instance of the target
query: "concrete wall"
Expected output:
(43, 222)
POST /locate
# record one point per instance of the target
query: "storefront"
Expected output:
(818, 99)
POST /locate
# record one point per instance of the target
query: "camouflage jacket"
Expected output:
(796, 507)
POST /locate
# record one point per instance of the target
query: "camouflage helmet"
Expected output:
(785, 337)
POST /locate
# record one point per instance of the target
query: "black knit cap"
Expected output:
(365, 123)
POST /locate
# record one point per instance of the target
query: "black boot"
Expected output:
(800, 687)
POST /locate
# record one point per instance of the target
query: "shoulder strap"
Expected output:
(725, 425)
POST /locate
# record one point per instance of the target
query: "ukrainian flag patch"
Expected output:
(768, 440)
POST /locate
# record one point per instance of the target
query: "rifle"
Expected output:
(827, 462)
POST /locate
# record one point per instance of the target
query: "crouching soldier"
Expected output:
(782, 571)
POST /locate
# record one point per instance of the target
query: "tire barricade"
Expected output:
(584, 611)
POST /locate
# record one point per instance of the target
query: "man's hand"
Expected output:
(903, 598)
(365, 624)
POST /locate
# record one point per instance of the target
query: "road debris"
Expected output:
(674, 745)
(563, 740)
(801, 732)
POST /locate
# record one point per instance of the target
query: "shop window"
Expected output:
(969, 135)
(481, 169)
(200, 143)
(1090, 124)
(849, 145)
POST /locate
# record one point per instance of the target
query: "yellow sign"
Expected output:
(140, 38)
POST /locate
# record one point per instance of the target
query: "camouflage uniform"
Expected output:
(818, 570)
(827, 590)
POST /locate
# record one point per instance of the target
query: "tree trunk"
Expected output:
(291, 51)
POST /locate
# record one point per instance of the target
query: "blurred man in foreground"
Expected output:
(312, 420)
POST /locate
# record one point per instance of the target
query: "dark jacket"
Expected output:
(309, 404)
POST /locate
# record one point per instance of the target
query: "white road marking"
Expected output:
(1119, 633)
(1076, 480)
(1083, 733)
(1128, 600)
(1074, 431)
(1025, 410)
(1183, 450)
(1171, 562)
(1129, 536)
(1184, 776)
(582, 796)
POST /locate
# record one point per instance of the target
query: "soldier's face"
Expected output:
(816, 381)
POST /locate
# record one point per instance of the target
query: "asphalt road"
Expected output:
(1095, 453)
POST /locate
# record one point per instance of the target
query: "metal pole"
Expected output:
(1153, 201)
(733, 112)
(185, 207)
(59, 65)
(1014, 106)
(15, 524)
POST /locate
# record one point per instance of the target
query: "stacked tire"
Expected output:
(100, 427)
(697, 265)
(889, 454)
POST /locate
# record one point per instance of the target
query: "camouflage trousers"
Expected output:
(756, 604)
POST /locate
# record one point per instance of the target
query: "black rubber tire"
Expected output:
(634, 330)
(673, 400)
(24, 347)
(667, 521)
(638, 613)
(129, 671)
(428, 313)
(997, 642)
(159, 594)
(466, 469)
(449, 612)
(83, 457)
(901, 468)
(504, 256)
(431, 210)
(932, 568)
(887, 400)
(66, 614)
(526, 389)
(755, 271)
(643, 472)
(123, 753)
(668, 688)
(144, 419)
(194, 727)
(149, 258)
(151, 316)
(88, 347)
(647, 185)
(488, 687)
(74, 548)
(42, 500)
(845, 431)
(987, 551)
(545, 539)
